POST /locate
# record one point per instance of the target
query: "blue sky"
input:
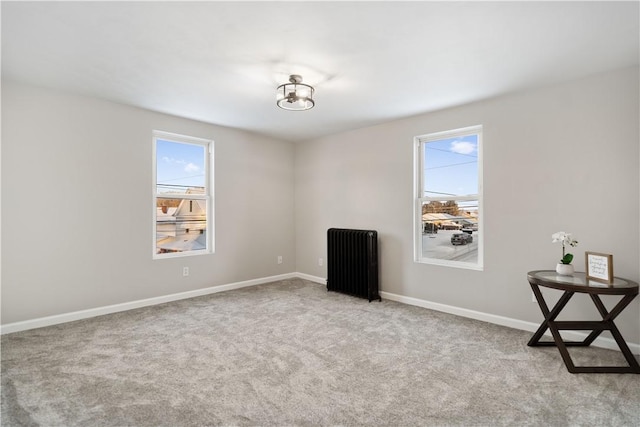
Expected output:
(451, 166)
(180, 164)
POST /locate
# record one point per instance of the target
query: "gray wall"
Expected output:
(76, 199)
(563, 158)
(77, 205)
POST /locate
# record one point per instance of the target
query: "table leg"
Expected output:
(549, 316)
(548, 323)
(596, 328)
(607, 319)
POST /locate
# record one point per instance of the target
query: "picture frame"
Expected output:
(599, 267)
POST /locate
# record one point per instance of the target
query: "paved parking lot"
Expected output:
(439, 246)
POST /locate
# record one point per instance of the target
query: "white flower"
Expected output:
(563, 237)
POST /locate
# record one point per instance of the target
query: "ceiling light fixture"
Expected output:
(295, 95)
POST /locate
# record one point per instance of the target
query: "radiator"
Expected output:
(352, 262)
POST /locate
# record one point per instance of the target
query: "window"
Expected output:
(182, 202)
(448, 204)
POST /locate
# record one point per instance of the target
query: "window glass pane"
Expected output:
(451, 167)
(180, 168)
(181, 225)
(450, 230)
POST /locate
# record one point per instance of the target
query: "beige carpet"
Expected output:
(290, 353)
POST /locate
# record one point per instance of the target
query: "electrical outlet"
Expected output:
(320, 262)
(279, 259)
(185, 271)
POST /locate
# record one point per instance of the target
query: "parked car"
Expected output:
(461, 239)
(470, 228)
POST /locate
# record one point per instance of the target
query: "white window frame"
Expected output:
(419, 198)
(207, 196)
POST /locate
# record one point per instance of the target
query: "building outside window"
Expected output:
(183, 203)
(448, 198)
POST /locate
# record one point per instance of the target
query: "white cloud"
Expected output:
(462, 147)
(172, 160)
(190, 168)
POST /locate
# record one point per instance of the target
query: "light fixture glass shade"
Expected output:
(295, 95)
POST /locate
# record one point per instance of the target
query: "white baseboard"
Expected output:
(602, 342)
(99, 311)
(311, 278)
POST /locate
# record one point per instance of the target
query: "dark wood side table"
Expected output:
(578, 283)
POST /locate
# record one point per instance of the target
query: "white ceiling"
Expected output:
(220, 62)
